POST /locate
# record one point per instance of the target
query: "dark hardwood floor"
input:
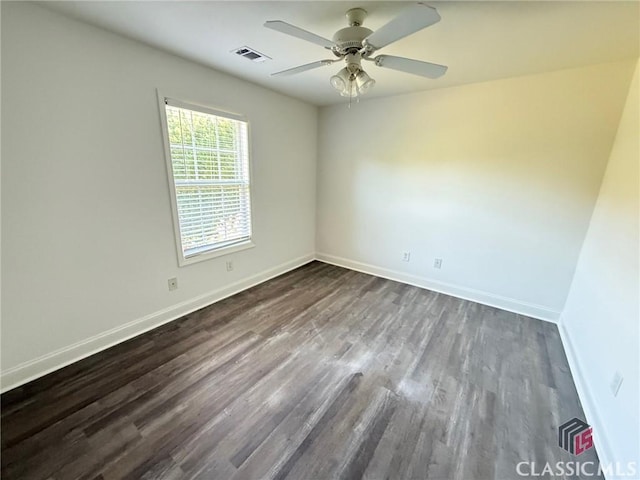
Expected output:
(320, 373)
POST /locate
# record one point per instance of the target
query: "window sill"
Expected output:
(218, 252)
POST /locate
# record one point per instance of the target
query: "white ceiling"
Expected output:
(478, 40)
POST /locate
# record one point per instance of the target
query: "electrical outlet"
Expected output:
(406, 256)
(229, 266)
(437, 263)
(616, 382)
(173, 283)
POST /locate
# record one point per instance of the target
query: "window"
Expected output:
(208, 165)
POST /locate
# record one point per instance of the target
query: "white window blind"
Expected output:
(210, 168)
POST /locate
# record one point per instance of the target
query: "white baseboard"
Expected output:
(603, 446)
(512, 305)
(30, 370)
(27, 371)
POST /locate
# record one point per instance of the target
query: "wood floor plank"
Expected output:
(319, 373)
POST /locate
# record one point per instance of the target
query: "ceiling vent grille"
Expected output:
(251, 54)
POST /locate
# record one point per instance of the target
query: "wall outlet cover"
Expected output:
(616, 383)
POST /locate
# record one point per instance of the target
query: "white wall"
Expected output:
(601, 319)
(498, 179)
(87, 239)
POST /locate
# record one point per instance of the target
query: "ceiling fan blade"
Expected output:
(409, 21)
(284, 27)
(424, 69)
(303, 68)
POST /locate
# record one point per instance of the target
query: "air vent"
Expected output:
(251, 54)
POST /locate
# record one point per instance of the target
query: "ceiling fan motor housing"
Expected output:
(350, 38)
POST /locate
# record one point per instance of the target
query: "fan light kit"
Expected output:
(356, 43)
(352, 79)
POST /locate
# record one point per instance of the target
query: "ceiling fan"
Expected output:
(356, 43)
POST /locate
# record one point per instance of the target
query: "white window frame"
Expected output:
(212, 252)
